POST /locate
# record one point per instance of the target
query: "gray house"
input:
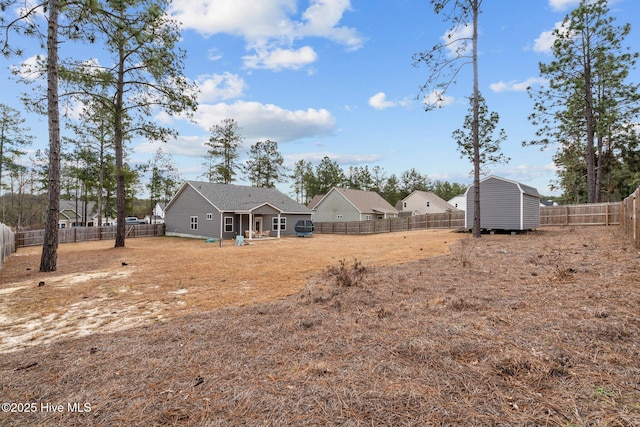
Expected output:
(504, 205)
(208, 210)
(342, 204)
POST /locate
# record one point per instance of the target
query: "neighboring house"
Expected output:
(341, 204)
(459, 202)
(209, 210)
(547, 203)
(157, 215)
(158, 211)
(504, 205)
(76, 214)
(314, 202)
(423, 202)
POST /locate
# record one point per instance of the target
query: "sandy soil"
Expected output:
(98, 287)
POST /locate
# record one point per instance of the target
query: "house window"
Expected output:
(228, 224)
(339, 217)
(283, 223)
(404, 205)
(428, 204)
(367, 217)
(193, 223)
(209, 216)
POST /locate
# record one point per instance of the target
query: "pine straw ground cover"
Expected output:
(535, 329)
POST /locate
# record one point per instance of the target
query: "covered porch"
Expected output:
(260, 222)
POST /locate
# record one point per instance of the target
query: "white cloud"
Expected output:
(438, 99)
(322, 19)
(267, 121)
(458, 40)
(246, 18)
(560, 5)
(270, 25)
(544, 42)
(527, 173)
(340, 158)
(278, 59)
(218, 87)
(514, 86)
(213, 55)
(32, 68)
(192, 146)
(379, 101)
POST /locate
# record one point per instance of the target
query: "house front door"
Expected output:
(257, 224)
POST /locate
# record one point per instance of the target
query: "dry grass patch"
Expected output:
(501, 340)
(160, 278)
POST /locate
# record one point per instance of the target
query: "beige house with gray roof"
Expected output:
(343, 204)
(424, 202)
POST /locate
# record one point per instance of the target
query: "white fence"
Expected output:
(7, 243)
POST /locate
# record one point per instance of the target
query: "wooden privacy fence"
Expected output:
(631, 217)
(416, 222)
(86, 234)
(7, 243)
(588, 214)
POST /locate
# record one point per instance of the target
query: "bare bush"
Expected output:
(346, 275)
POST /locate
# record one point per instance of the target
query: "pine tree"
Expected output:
(265, 166)
(488, 140)
(588, 104)
(444, 62)
(223, 151)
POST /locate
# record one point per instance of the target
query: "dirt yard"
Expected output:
(416, 328)
(98, 287)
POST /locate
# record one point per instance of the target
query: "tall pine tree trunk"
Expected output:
(48, 261)
(120, 190)
(590, 125)
(477, 232)
(119, 150)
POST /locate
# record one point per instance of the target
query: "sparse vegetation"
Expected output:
(347, 274)
(425, 342)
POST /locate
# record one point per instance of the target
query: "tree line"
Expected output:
(88, 174)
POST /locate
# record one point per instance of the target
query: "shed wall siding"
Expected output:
(188, 204)
(531, 217)
(503, 206)
(335, 204)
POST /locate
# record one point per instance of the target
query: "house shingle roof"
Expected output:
(70, 206)
(231, 197)
(367, 201)
(435, 199)
(314, 202)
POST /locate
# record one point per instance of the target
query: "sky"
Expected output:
(336, 78)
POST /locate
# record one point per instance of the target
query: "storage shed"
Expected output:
(504, 205)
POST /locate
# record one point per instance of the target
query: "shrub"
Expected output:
(348, 275)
